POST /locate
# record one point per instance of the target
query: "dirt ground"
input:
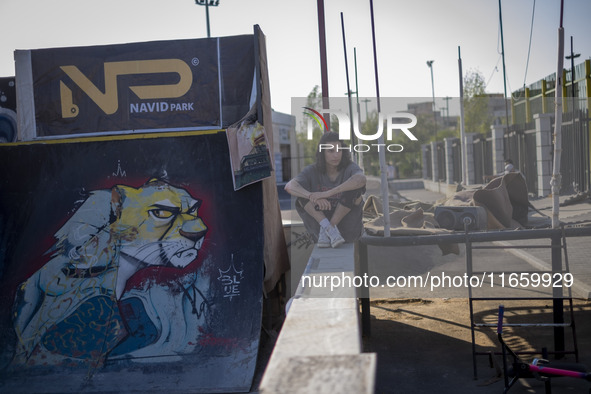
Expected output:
(425, 345)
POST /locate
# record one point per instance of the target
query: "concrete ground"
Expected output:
(424, 346)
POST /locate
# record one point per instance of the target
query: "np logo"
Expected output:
(107, 101)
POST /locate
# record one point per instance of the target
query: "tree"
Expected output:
(476, 116)
(314, 100)
(408, 161)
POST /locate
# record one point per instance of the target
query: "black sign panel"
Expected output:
(163, 85)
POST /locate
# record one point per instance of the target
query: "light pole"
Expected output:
(430, 65)
(445, 123)
(207, 4)
(572, 58)
(366, 100)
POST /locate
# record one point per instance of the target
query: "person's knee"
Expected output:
(358, 201)
(352, 198)
(301, 202)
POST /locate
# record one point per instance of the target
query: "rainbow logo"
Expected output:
(318, 118)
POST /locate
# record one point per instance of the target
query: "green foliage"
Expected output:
(476, 116)
(448, 133)
(474, 84)
(314, 100)
(407, 162)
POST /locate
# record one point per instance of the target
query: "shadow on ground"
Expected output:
(425, 346)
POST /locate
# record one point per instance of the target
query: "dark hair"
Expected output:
(328, 138)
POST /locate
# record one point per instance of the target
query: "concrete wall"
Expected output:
(319, 347)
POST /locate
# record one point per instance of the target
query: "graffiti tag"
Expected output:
(230, 279)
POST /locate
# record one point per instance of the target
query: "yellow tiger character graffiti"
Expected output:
(76, 306)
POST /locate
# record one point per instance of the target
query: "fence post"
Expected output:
(424, 152)
(544, 152)
(470, 158)
(449, 160)
(434, 162)
(588, 83)
(544, 96)
(498, 150)
(527, 105)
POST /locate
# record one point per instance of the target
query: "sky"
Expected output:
(408, 33)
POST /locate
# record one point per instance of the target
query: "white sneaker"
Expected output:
(336, 239)
(323, 239)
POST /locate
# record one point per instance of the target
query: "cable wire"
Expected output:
(530, 37)
(493, 71)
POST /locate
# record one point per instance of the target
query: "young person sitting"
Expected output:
(330, 194)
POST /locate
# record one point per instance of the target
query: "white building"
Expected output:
(288, 152)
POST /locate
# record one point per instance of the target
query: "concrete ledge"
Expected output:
(319, 346)
(407, 184)
(441, 187)
(352, 373)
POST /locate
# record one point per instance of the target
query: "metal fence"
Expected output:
(574, 163)
(428, 162)
(456, 147)
(520, 145)
(441, 161)
(482, 158)
(530, 161)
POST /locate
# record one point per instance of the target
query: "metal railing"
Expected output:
(574, 163)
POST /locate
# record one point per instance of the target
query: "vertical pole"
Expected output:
(351, 117)
(430, 64)
(207, 17)
(462, 131)
(366, 111)
(382, 154)
(572, 77)
(556, 181)
(359, 154)
(323, 62)
(365, 304)
(574, 163)
(469, 270)
(557, 302)
(572, 58)
(446, 98)
(504, 70)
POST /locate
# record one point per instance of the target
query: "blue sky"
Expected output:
(408, 33)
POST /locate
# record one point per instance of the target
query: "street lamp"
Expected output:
(430, 65)
(207, 4)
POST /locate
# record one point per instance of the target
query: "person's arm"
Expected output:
(295, 189)
(356, 181)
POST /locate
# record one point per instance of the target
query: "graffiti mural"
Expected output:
(143, 262)
(113, 235)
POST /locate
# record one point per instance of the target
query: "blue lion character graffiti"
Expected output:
(80, 307)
